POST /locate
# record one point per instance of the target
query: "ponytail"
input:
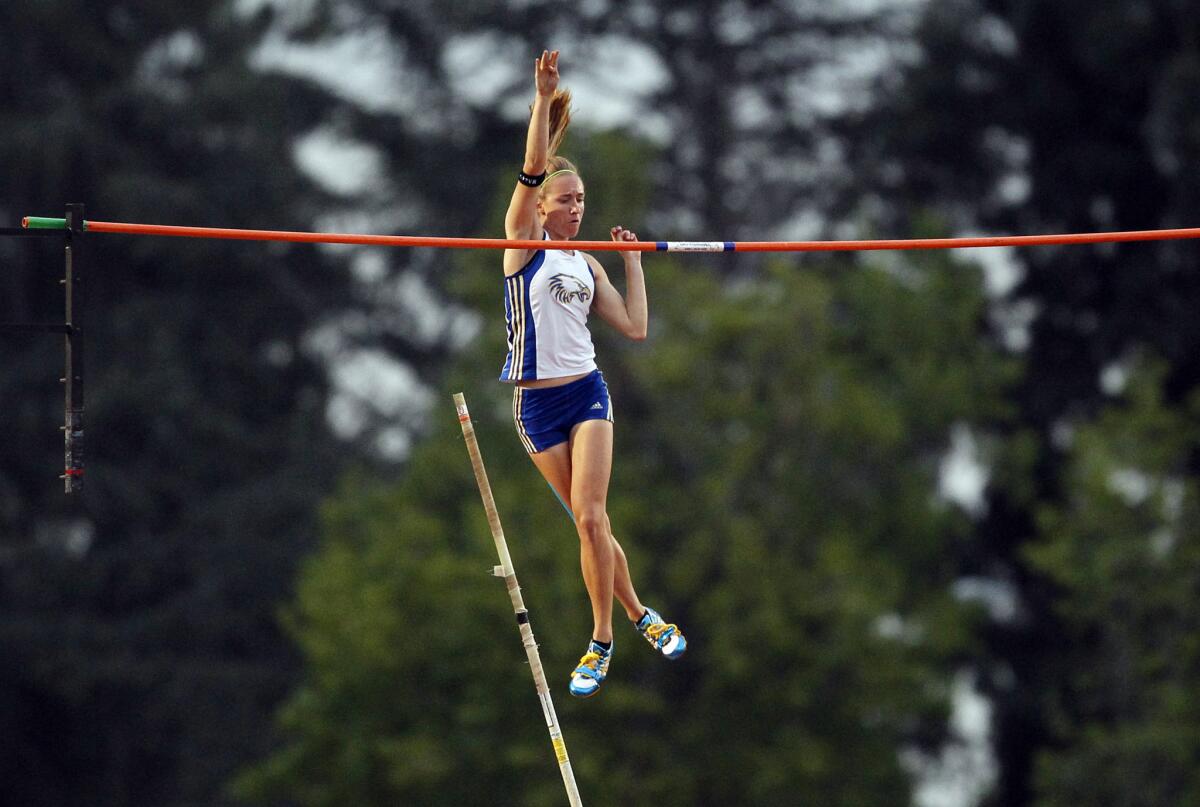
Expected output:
(560, 118)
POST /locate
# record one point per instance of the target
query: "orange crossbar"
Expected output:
(643, 246)
(352, 238)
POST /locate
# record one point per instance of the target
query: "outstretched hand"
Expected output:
(546, 72)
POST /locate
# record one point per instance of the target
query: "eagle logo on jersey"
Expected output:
(567, 289)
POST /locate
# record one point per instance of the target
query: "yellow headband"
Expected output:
(556, 173)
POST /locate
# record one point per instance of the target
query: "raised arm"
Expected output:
(521, 220)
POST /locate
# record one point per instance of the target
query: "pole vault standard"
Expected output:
(34, 222)
(71, 229)
(505, 570)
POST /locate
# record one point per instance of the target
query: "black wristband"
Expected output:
(532, 182)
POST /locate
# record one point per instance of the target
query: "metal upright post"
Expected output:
(64, 327)
(505, 570)
(73, 349)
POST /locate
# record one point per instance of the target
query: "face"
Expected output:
(561, 206)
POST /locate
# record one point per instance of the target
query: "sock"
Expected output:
(645, 614)
(605, 646)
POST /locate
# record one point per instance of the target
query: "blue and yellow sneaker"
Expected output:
(591, 672)
(664, 637)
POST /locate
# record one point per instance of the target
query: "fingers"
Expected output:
(545, 72)
(619, 233)
(547, 62)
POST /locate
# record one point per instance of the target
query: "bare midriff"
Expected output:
(537, 383)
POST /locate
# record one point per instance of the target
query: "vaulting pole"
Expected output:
(505, 570)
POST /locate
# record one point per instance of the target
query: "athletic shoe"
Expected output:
(662, 636)
(591, 672)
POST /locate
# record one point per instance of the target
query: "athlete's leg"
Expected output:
(555, 466)
(591, 468)
(622, 582)
(596, 553)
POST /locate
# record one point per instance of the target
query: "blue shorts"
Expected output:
(546, 415)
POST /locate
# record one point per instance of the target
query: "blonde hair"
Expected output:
(560, 118)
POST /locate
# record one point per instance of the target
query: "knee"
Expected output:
(592, 524)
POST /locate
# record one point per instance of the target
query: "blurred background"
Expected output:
(929, 519)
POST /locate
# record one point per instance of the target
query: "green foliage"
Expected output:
(780, 435)
(1124, 551)
(137, 620)
(778, 447)
(1033, 117)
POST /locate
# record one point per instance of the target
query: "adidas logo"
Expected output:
(597, 405)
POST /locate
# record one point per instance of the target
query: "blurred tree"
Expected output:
(776, 485)
(137, 622)
(741, 97)
(1051, 117)
(1060, 118)
(749, 98)
(1123, 551)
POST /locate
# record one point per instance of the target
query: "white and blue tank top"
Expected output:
(546, 307)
